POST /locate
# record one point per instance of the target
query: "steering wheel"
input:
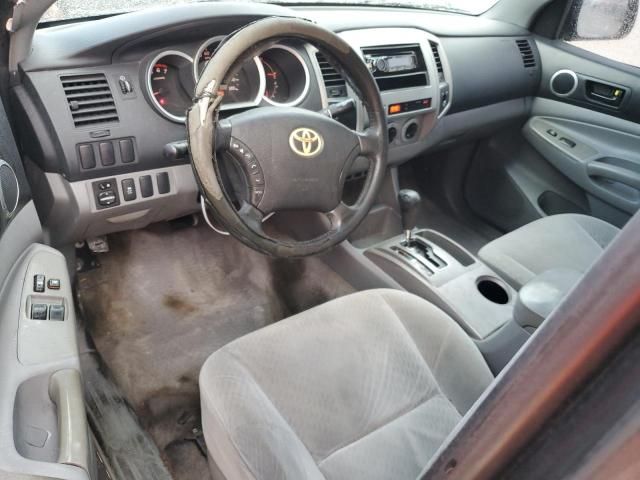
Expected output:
(295, 159)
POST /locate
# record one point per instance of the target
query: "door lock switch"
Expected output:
(38, 283)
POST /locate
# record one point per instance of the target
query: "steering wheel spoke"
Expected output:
(341, 215)
(252, 217)
(369, 142)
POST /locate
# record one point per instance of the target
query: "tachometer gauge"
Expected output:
(169, 83)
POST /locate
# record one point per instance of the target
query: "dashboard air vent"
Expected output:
(333, 81)
(528, 58)
(436, 56)
(90, 99)
(397, 66)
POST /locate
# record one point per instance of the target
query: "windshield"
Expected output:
(70, 9)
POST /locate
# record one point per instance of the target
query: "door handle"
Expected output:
(65, 390)
(611, 172)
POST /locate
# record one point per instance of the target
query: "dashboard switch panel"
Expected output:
(106, 193)
(107, 155)
(146, 186)
(129, 189)
(127, 154)
(87, 157)
(164, 186)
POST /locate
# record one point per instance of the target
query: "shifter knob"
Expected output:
(409, 201)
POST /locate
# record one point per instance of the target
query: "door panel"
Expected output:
(604, 162)
(43, 428)
(585, 126)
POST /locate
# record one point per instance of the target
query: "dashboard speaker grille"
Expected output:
(333, 81)
(9, 189)
(90, 99)
(436, 55)
(528, 58)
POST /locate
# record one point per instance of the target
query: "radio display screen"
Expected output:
(401, 62)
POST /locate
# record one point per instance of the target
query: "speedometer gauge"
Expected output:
(245, 88)
(276, 85)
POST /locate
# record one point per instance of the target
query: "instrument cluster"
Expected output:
(279, 76)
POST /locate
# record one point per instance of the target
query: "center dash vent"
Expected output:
(333, 81)
(90, 99)
(397, 66)
(436, 55)
(528, 58)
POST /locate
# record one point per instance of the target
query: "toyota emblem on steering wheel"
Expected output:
(306, 142)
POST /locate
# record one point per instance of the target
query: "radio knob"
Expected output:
(382, 64)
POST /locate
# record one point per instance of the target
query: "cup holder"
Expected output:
(493, 290)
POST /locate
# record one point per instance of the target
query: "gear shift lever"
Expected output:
(409, 201)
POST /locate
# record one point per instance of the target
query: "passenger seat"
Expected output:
(560, 241)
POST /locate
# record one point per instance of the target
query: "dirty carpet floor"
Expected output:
(163, 300)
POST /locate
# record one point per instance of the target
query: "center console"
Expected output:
(441, 271)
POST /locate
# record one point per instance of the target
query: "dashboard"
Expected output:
(98, 102)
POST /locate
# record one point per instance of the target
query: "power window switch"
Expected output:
(53, 284)
(38, 311)
(38, 283)
(569, 143)
(56, 313)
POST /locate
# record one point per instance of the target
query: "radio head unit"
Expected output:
(395, 63)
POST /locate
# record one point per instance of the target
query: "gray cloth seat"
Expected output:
(560, 241)
(367, 386)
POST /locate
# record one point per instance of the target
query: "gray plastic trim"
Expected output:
(47, 353)
(88, 221)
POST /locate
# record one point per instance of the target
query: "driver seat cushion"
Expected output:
(559, 241)
(367, 386)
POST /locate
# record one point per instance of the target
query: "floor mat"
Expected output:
(163, 300)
